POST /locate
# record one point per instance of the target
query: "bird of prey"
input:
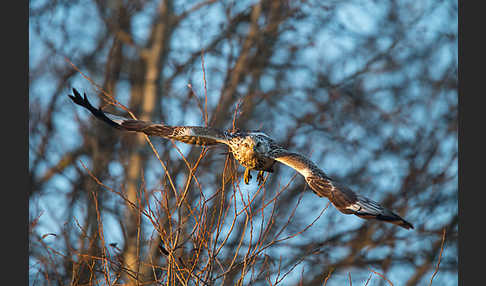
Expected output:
(255, 150)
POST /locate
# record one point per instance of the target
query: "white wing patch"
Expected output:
(354, 207)
(115, 118)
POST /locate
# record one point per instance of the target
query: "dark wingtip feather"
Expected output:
(84, 102)
(406, 224)
(97, 112)
(395, 219)
(76, 93)
(391, 218)
(401, 222)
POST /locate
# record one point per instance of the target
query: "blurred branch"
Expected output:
(368, 90)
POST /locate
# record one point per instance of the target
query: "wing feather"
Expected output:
(187, 134)
(342, 197)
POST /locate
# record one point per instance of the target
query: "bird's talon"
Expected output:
(247, 177)
(260, 177)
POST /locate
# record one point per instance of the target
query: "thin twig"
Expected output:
(328, 276)
(368, 280)
(110, 99)
(205, 90)
(440, 255)
(381, 275)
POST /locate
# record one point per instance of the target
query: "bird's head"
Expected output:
(260, 142)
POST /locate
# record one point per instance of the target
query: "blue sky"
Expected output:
(359, 18)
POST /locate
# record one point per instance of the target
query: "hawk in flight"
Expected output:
(255, 150)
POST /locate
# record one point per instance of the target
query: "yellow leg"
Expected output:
(247, 176)
(260, 177)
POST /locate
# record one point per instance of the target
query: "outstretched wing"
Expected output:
(187, 134)
(342, 197)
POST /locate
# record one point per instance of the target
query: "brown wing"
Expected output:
(342, 197)
(187, 134)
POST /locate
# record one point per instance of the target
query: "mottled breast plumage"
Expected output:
(250, 150)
